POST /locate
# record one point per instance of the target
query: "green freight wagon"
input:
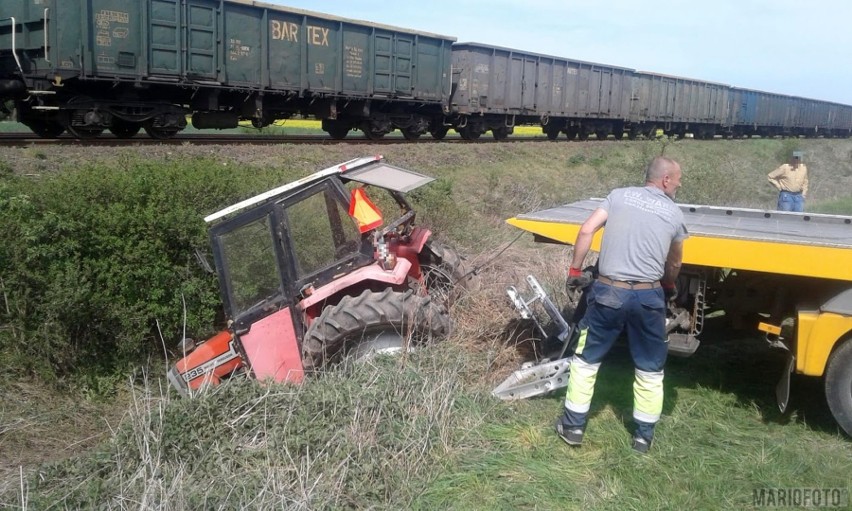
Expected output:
(86, 66)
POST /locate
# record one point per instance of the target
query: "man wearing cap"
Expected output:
(791, 179)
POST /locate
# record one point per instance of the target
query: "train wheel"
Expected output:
(124, 129)
(583, 135)
(336, 130)
(633, 133)
(601, 134)
(439, 133)
(571, 133)
(410, 133)
(371, 134)
(80, 132)
(552, 134)
(46, 129)
(468, 133)
(160, 133)
(618, 134)
(500, 133)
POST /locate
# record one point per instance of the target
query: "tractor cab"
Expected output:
(286, 243)
(284, 256)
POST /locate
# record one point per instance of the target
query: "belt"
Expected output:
(628, 285)
(792, 193)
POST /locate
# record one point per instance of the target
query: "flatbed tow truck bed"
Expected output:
(802, 244)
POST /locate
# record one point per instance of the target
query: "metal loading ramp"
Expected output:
(803, 244)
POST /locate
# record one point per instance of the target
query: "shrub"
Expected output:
(93, 259)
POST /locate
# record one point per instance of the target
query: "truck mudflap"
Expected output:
(782, 389)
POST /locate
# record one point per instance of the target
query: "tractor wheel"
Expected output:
(838, 386)
(376, 321)
(446, 273)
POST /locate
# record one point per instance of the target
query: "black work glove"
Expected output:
(577, 279)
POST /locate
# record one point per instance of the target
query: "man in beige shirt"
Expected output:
(791, 179)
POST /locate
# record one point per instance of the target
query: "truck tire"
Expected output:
(838, 385)
(446, 273)
(382, 318)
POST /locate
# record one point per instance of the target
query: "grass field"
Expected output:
(423, 432)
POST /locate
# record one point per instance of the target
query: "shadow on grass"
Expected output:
(731, 362)
(742, 364)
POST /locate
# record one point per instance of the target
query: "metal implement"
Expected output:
(548, 375)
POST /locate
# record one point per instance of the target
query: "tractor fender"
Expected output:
(419, 237)
(412, 250)
(373, 272)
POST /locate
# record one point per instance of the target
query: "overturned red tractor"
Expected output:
(311, 272)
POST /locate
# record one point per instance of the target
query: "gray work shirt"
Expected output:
(642, 222)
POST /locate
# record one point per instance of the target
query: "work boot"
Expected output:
(641, 445)
(571, 436)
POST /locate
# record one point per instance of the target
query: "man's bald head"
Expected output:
(664, 173)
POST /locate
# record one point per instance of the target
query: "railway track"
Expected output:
(27, 139)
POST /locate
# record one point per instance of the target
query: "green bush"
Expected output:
(94, 259)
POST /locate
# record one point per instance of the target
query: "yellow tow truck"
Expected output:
(762, 268)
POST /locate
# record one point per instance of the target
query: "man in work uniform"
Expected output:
(791, 179)
(640, 258)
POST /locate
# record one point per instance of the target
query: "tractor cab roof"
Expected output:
(371, 170)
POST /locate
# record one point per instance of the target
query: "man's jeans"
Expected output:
(789, 201)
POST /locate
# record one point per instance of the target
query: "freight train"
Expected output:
(86, 66)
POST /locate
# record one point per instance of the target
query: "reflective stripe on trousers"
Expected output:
(581, 385)
(647, 396)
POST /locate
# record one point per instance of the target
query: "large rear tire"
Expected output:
(446, 273)
(390, 320)
(838, 385)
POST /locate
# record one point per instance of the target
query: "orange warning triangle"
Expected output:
(364, 211)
